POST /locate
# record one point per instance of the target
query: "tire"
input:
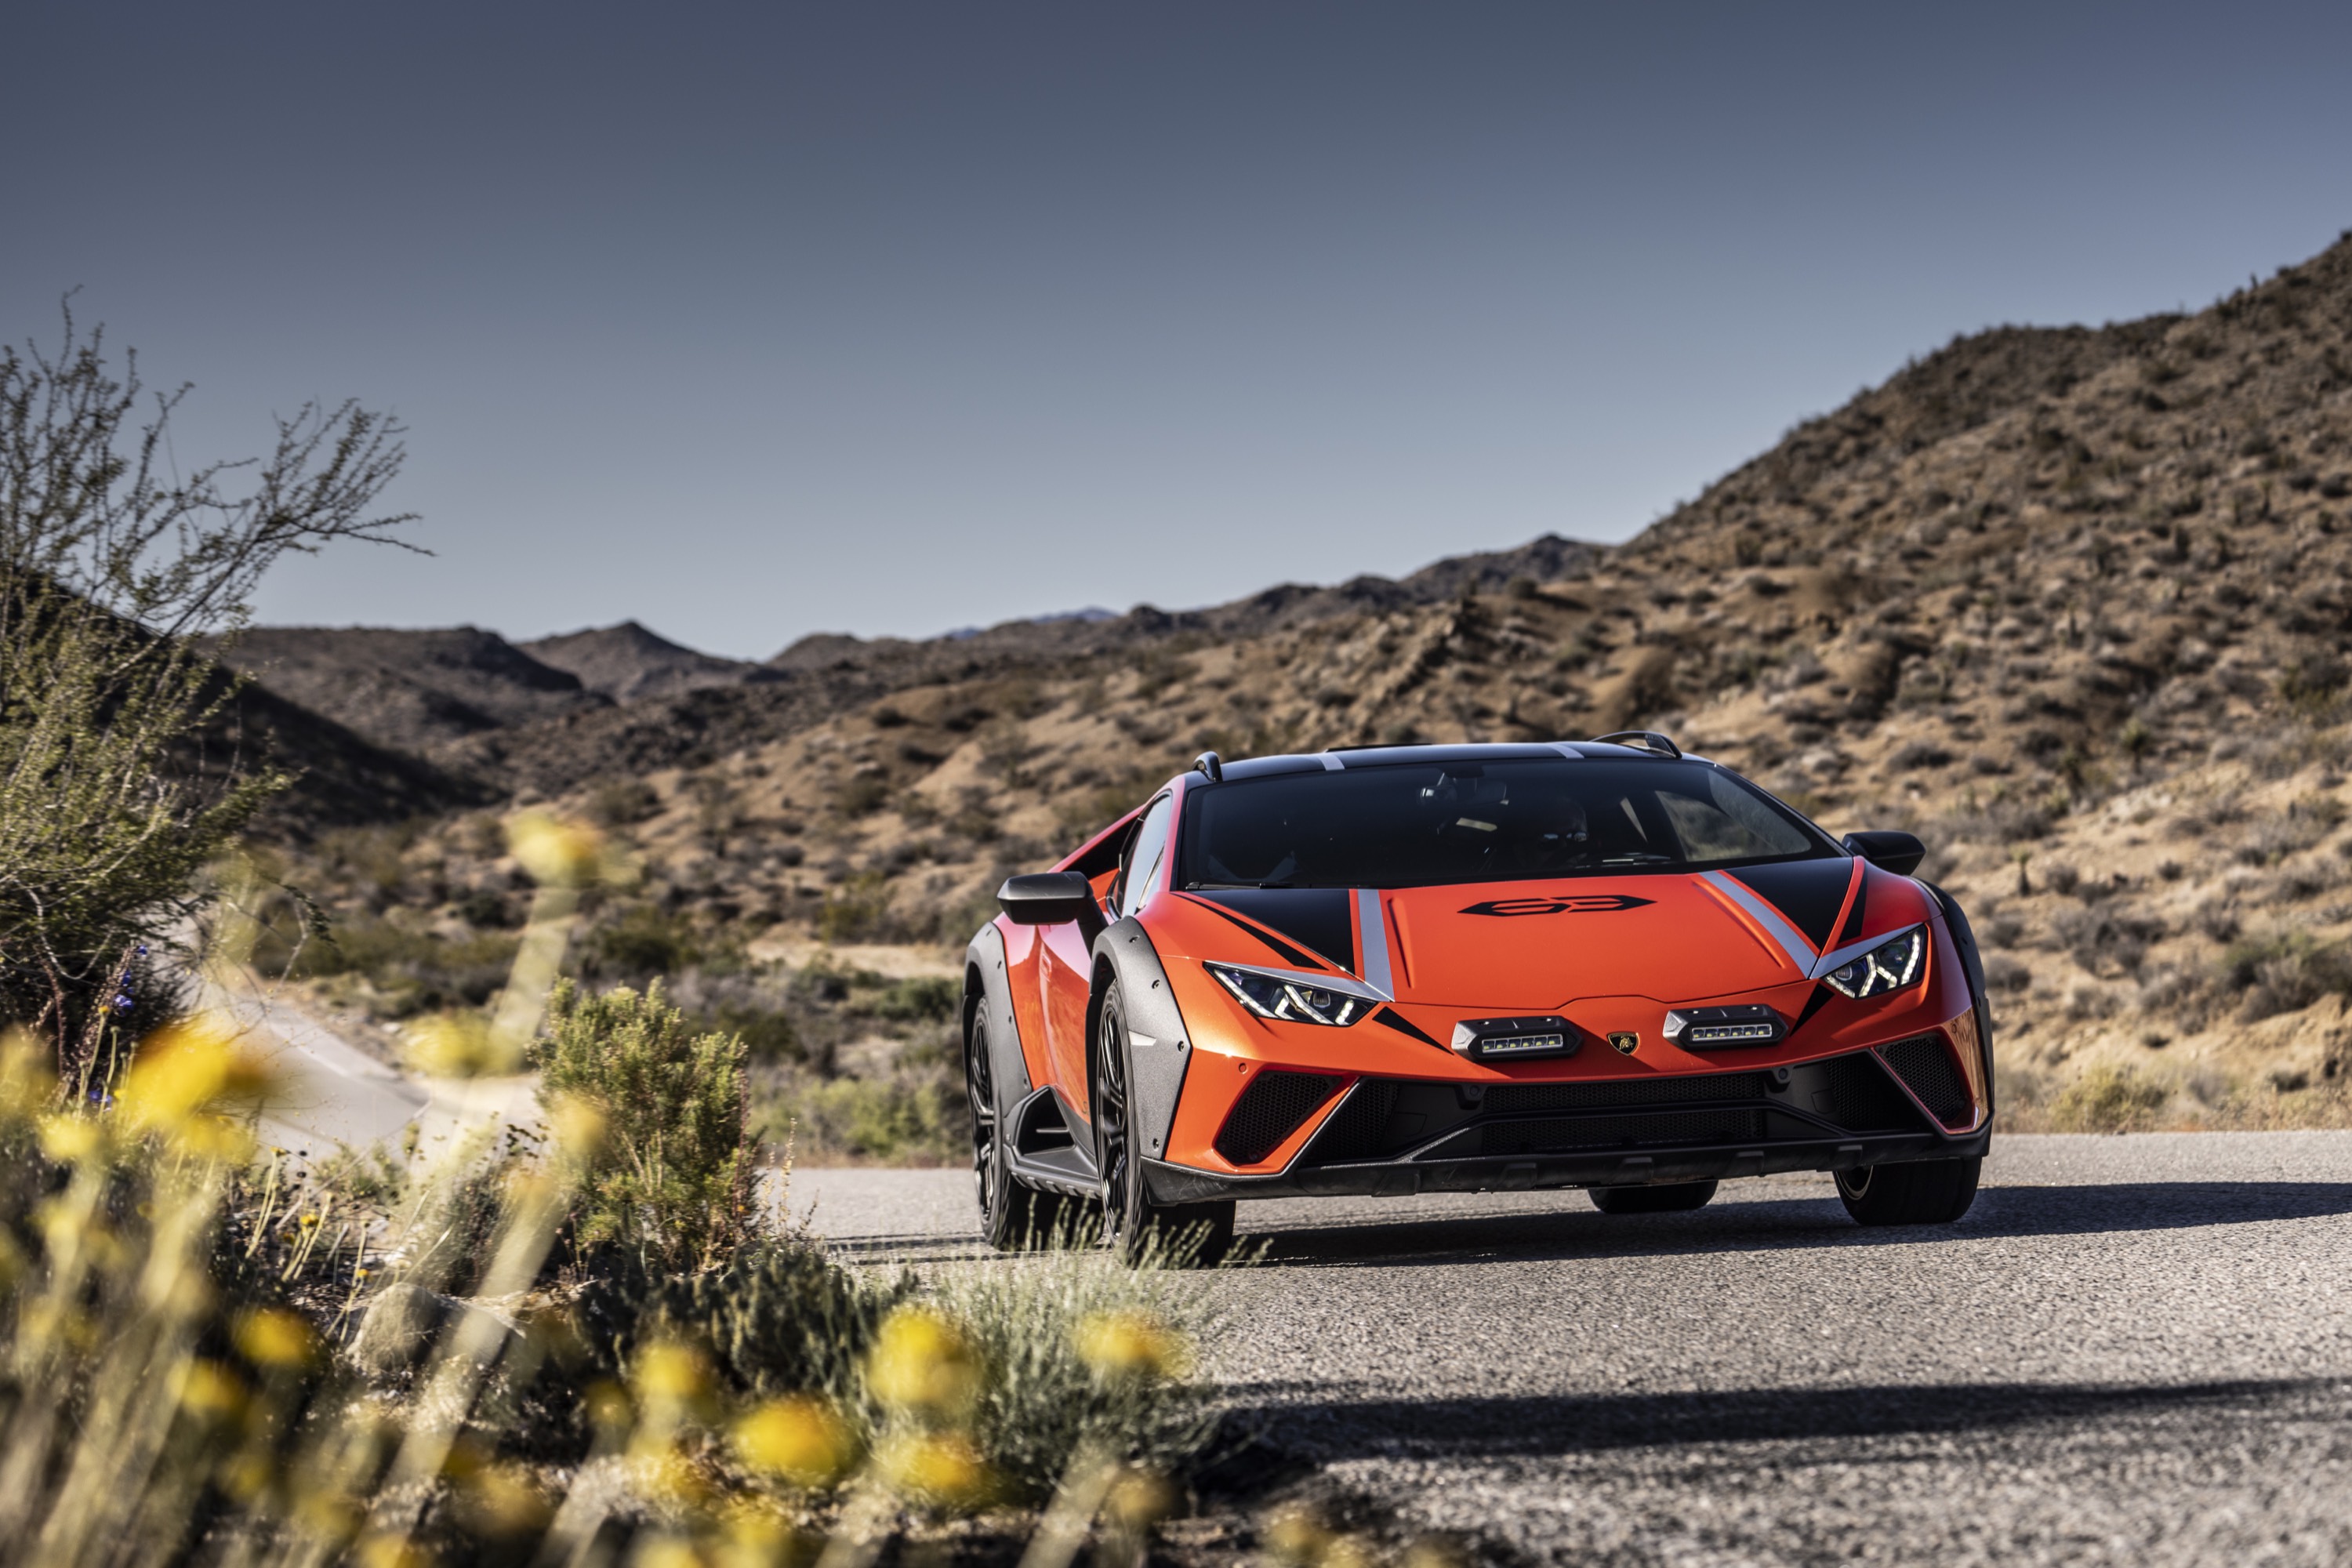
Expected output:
(1175, 1235)
(1919, 1192)
(1671, 1197)
(1013, 1217)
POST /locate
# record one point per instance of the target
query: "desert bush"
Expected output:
(858, 910)
(640, 941)
(902, 1120)
(671, 1170)
(1915, 754)
(928, 998)
(2002, 820)
(2217, 919)
(622, 803)
(2003, 973)
(2108, 1099)
(114, 564)
(862, 796)
(2270, 839)
(777, 1317)
(2284, 971)
(1081, 1356)
(410, 970)
(2104, 941)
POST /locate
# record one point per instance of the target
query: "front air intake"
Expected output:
(1924, 1064)
(1274, 1106)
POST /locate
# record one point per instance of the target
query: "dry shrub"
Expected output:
(2108, 1099)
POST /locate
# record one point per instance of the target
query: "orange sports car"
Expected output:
(1406, 969)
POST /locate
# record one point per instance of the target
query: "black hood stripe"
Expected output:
(1852, 927)
(1404, 1025)
(1319, 918)
(1808, 893)
(1290, 954)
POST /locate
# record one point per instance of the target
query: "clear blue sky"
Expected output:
(750, 321)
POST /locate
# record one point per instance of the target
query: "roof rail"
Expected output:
(1645, 740)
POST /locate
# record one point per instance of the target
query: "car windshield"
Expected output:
(1420, 825)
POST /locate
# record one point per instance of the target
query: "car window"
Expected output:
(1143, 856)
(1729, 824)
(1422, 823)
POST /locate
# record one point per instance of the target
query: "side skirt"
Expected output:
(1043, 1156)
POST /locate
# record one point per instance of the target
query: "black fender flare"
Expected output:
(988, 993)
(1964, 938)
(1161, 1046)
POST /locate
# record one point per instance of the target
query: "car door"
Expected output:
(1066, 963)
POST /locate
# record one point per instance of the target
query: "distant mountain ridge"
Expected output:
(622, 697)
(628, 662)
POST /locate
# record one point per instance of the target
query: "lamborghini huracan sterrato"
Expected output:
(1600, 964)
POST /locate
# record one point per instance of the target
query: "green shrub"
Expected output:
(119, 571)
(778, 1317)
(858, 910)
(640, 942)
(412, 971)
(1042, 1401)
(889, 1121)
(920, 999)
(670, 1174)
(2108, 1099)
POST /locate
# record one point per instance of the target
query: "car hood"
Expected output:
(1536, 947)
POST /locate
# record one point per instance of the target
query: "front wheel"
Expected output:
(1178, 1236)
(1670, 1197)
(1918, 1191)
(1013, 1217)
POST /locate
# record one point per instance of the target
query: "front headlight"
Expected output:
(1889, 966)
(1271, 996)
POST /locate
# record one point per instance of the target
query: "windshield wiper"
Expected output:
(1230, 886)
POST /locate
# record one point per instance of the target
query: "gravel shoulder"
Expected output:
(2133, 1349)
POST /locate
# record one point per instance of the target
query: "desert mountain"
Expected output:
(2070, 602)
(409, 690)
(628, 662)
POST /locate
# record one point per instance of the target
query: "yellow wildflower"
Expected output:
(938, 1470)
(459, 1045)
(556, 852)
(1131, 1344)
(186, 1071)
(804, 1440)
(67, 1138)
(275, 1336)
(921, 1360)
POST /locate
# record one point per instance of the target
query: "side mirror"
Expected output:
(1049, 899)
(1889, 850)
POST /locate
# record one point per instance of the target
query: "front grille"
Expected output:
(1503, 1099)
(1925, 1062)
(1554, 1135)
(1269, 1111)
(1359, 1128)
(1860, 1098)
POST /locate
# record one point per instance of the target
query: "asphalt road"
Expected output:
(2135, 1349)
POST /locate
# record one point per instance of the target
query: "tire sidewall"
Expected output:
(1126, 1212)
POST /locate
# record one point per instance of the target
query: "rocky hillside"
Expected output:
(2072, 603)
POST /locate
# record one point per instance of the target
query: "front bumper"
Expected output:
(1397, 1137)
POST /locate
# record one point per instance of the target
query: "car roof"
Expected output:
(1340, 758)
